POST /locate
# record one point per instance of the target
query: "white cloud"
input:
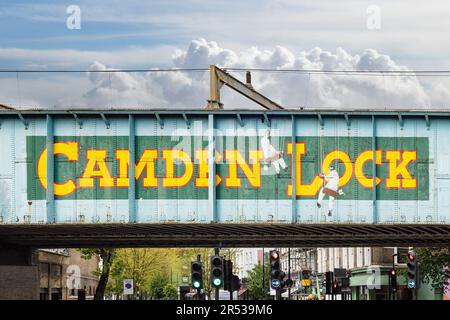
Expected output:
(188, 90)
(191, 89)
(76, 59)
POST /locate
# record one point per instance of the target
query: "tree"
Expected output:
(140, 265)
(106, 255)
(255, 282)
(157, 284)
(170, 292)
(434, 265)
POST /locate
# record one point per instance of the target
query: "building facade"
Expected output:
(246, 260)
(65, 275)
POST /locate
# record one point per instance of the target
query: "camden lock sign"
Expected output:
(250, 167)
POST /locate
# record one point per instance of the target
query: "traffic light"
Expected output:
(196, 275)
(276, 275)
(289, 283)
(227, 274)
(393, 279)
(329, 278)
(335, 288)
(411, 265)
(235, 283)
(216, 271)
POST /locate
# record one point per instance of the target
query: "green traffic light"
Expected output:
(196, 284)
(217, 282)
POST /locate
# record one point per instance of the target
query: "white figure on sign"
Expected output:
(331, 189)
(271, 155)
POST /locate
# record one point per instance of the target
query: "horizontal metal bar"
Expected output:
(229, 235)
(307, 112)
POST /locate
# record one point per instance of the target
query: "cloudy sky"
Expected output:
(341, 35)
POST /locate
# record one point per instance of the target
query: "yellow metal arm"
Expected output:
(219, 77)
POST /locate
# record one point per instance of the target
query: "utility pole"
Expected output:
(263, 272)
(289, 272)
(199, 291)
(392, 286)
(216, 291)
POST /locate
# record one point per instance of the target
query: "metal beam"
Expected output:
(131, 169)
(401, 121)
(228, 235)
(319, 116)
(427, 122)
(212, 171)
(266, 119)
(50, 171)
(294, 169)
(188, 123)
(107, 123)
(218, 77)
(241, 123)
(347, 120)
(374, 172)
(435, 113)
(78, 120)
(6, 107)
(25, 122)
(160, 121)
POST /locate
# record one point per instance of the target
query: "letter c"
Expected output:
(68, 149)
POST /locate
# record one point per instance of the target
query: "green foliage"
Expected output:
(153, 269)
(140, 265)
(157, 284)
(255, 284)
(107, 256)
(434, 265)
(170, 292)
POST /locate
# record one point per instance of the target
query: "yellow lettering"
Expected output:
(203, 168)
(400, 169)
(96, 167)
(302, 189)
(170, 180)
(146, 162)
(235, 159)
(68, 149)
(359, 165)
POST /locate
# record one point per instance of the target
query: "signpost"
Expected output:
(128, 287)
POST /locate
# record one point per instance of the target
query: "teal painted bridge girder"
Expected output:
(247, 193)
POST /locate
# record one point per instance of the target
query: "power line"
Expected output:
(106, 71)
(339, 71)
(419, 73)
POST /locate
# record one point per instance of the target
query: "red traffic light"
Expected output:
(411, 256)
(275, 255)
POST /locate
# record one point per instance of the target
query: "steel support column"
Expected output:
(50, 171)
(212, 209)
(374, 172)
(131, 169)
(294, 170)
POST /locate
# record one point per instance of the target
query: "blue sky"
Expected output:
(319, 34)
(415, 33)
